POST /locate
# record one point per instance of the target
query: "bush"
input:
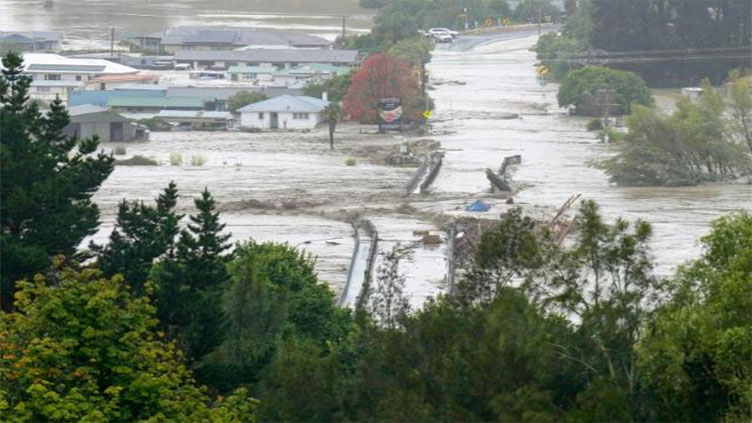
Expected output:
(244, 98)
(176, 159)
(595, 125)
(119, 150)
(198, 160)
(137, 161)
(350, 162)
(155, 124)
(581, 89)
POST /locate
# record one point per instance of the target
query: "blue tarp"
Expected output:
(478, 206)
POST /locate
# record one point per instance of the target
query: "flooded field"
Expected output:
(497, 78)
(87, 23)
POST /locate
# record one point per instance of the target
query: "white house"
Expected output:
(285, 112)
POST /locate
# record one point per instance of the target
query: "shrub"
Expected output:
(350, 162)
(595, 125)
(176, 159)
(119, 151)
(198, 160)
(137, 161)
(155, 124)
(581, 89)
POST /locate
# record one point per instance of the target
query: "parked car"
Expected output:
(442, 38)
(438, 31)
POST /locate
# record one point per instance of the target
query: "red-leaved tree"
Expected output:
(382, 76)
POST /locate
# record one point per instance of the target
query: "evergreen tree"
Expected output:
(191, 281)
(48, 179)
(388, 303)
(141, 235)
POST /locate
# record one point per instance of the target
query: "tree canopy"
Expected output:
(244, 98)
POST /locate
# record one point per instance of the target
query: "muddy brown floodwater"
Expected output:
(497, 78)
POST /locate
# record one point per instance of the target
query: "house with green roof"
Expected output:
(126, 103)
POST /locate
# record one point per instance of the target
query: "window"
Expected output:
(261, 115)
(52, 77)
(78, 77)
(300, 116)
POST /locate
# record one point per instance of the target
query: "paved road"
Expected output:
(469, 42)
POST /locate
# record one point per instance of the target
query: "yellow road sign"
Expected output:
(427, 114)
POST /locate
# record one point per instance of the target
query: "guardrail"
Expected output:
(356, 249)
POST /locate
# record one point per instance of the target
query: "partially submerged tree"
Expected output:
(388, 303)
(48, 179)
(332, 114)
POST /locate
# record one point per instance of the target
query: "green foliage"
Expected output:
(335, 88)
(691, 146)
(142, 234)
(332, 114)
(387, 302)
(244, 98)
(581, 88)
(137, 160)
(350, 161)
(558, 54)
(697, 349)
(84, 349)
(198, 160)
(155, 124)
(273, 290)
(530, 10)
(373, 4)
(595, 125)
(414, 51)
(47, 181)
(191, 281)
(176, 159)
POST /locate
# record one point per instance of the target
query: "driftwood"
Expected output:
(497, 181)
(509, 161)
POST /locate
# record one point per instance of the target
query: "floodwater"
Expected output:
(87, 23)
(499, 77)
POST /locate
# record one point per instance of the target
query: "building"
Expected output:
(48, 91)
(288, 77)
(52, 72)
(109, 82)
(221, 38)
(215, 98)
(88, 120)
(285, 112)
(279, 59)
(30, 41)
(152, 104)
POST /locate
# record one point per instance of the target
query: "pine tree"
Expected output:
(389, 304)
(191, 281)
(48, 179)
(142, 234)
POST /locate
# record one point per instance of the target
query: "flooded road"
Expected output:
(87, 23)
(494, 78)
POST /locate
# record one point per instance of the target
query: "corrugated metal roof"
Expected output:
(271, 56)
(211, 37)
(66, 68)
(43, 83)
(54, 62)
(287, 103)
(85, 109)
(163, 102)
(35, 35)
(194, 114)
(194, 35)
(253, 69)
(223, 93)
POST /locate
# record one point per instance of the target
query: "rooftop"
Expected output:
(127, 78)
(194, 35)
(156, 102)
(194, 114)
(272, 56)
(41, 62)
(287, 103)
(34, 35)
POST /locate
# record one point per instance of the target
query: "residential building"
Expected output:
(110, 82)
(148, 104)
(279, 59)
(196, 119)
(30, 41)
(215, 98)
(284, 112)
(288, 77)
(221, 38)
(88, 120)
(47, 91)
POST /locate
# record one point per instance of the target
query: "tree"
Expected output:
(48, 179)
(740, 124)
(334, 87)
(141, 235)
(532, 10)
(191, 282)
(244, 98)
(81, 348)
(696, 352)
(388, 303)
(332, 114)
(581, 89)
(380, 76)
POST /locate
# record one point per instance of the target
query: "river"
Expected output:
(499, 77)
(87, 23)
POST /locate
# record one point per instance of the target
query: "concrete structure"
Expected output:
(221, 38)
(279, 59)
(88, 120)
(284, 112)
(30, 41)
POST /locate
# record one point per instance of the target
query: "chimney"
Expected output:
(325, 96)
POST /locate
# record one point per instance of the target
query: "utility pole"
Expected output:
(344, 40)
(539, 16)
(112, 42)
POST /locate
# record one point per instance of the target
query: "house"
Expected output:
(215, 98)
(102, 97)
(47, 91)
(199, 38)
(30, 41)
(288, 77)
(89, 120)
(286, 112)
(279, 58)
(196, 119)
(76, 72)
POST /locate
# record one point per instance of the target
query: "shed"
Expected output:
(88, 120)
